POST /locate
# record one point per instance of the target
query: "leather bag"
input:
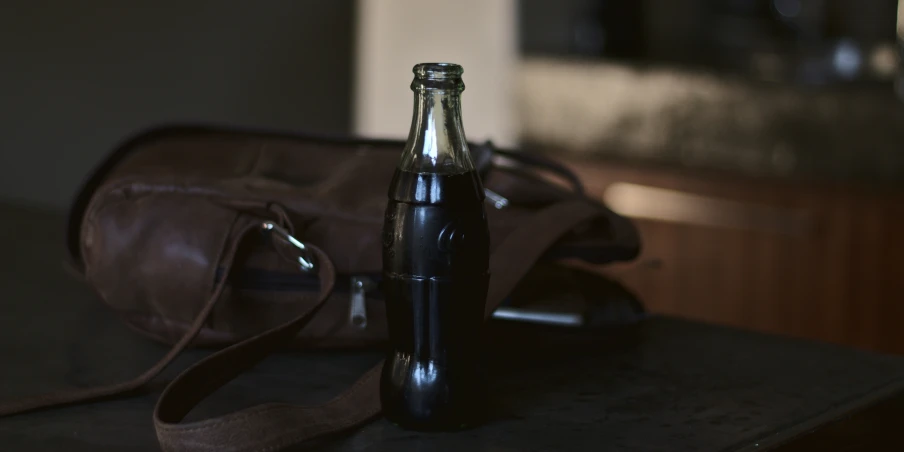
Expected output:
(253, 241)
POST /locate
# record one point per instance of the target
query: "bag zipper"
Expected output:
(269, 280)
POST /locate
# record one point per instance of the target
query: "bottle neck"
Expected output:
(436, 142)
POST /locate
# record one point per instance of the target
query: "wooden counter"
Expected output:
(810, 260)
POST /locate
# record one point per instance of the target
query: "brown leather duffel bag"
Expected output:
(257, 240)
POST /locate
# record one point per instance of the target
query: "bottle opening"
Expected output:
(437, 77)
(437, 71)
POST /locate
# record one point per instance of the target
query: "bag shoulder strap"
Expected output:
(274, 426)
(69, 397)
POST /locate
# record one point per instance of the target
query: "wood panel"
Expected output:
(809, 260)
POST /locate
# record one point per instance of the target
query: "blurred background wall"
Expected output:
(76, 77)
(394, 35)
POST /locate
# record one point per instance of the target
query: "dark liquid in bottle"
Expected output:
(435, 263)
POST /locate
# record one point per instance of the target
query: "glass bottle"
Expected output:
(435, 265)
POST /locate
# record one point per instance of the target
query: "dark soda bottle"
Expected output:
(435, 265)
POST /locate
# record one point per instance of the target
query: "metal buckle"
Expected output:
(500, 202)
(305, 258)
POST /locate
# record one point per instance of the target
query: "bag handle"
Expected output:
(69, 397)
(541, 162)
(274, 426)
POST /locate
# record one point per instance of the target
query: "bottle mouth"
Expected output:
(439, 77)
(437, 71)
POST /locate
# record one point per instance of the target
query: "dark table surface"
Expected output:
(664, 384)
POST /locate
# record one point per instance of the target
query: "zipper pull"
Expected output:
(357, 310)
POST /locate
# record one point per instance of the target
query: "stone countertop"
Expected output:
(664, 384)
(700, 120)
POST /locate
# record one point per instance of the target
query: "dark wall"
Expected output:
(710, 34)
(77, 77)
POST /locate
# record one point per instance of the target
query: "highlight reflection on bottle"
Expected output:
(435, 265)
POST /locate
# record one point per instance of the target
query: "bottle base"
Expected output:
(421, 396)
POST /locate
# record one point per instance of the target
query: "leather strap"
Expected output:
(275, 426)
(69, 397)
